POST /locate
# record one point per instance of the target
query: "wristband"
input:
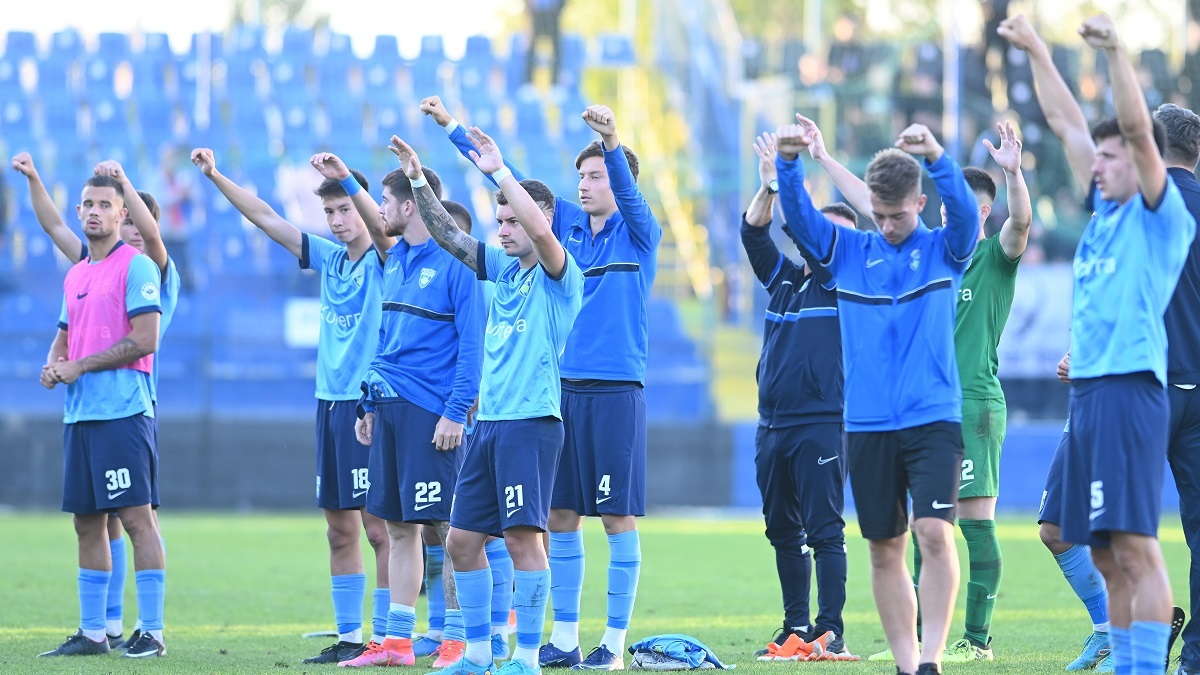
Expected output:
(350, 185)
(451, 126)
(501, 174)
(419, 182)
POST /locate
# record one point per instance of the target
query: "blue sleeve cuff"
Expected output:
(305, 253)
(481, 260)
(62, 325)
(137, 311)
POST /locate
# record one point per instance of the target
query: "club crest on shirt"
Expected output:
(525, 287)
(357, 278)
(914, 260)
(426, 276)
(149, 290)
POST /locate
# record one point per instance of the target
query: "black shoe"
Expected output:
(342, 651)
(781, 635)
(928, 669)
(1178, 618)
(837, 645)
(133, 638)
(115, 641)
(145, 647)
(79, 645)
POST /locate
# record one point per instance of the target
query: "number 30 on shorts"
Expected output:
(118, 479)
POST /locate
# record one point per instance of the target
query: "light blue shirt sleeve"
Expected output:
(142, 287)
(458, 136)
(315, 252)
(571, 281)
(494, 261)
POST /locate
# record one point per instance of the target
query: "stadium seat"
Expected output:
(20, 45)
(475, 69)
(616, 50)
(297, 43)
(386, 52)
(66, 44)
(514, 66)
(98, 79)
(54, 73)
(16, 125)
(289, 82)
(245, 41)
(10, 78)
(60, 115)
(155, 121)
(109, 120)
(113, 48)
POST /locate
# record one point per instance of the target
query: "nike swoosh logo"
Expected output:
(939, 505)
(575, 241)
(80, 296)
(872, 263)
(991, 597)
(114, 495)
(826, 460)
(359, 494)
(601, 501)
(422, 507)
(1096, 514)
(510, 513)
(960, 487)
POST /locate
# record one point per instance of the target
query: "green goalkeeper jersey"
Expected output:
(984, 301)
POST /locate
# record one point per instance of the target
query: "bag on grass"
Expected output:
(673, 652)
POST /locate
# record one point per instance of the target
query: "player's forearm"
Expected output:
(1130, 103)
(58, 348)
(443, 229)
(127, 350)
(368, 210)
(852, 187)
(1014, 234)
(51, 220)
(146, 225)
(758, 214)
(247, 203)
(1062, 113)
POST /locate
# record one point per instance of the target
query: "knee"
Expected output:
(377, 534)
(456, 546)
(340, 535)
(1051, 536)
(618, 524)
(564, 520)
(89, 526)
(887, 553)
(935, 536)
(787, 537)
(1133, 562)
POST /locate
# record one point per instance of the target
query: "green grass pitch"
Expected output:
(241, 589)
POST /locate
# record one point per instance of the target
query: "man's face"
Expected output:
(516, 243)
(595, 194)
(130, 235)
(343, 219)
(392, 210)
(897, 220)
(101, 211)
(1113, 170)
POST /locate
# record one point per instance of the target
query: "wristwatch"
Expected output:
(773, 187)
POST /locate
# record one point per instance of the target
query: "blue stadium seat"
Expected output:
(155, 46)
(297, 43)
(98, 79)
(514, 68)
(245, 41)
(19, 45)
(386, 52)
(531, 115)
(289, 81)
(617, 50)
(216, 47)
(110, 120)
(432, 48)
(113, 48)
(66, 44)
(156, 122)
(474, 71)
(346, 116)
(52, 74)
(10, 78)
(241, 79)
(16, 125)
(571, 58)
(60, 115)
(297, 129)
(338, 48)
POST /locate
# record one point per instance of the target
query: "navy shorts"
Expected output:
(603, 465)
(109, 465)
(1116, 456)
(507, 475)
(801, 472)
(887, 466)
(411, 481)
(1050, 510)
(342, 480)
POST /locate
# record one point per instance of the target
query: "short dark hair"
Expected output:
(981, 182)
(1182, 128)
(401, 187)
(1111, 127)
(539, 191)
(459, 213)
(893, 176)
(102, 180)
(151, 203)
(842, 210)
(596, 149)
(332, 189)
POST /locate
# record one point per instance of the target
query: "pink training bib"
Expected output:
(96, 314)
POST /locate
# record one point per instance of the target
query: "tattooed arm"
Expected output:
(437, 220)
(141, 340)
